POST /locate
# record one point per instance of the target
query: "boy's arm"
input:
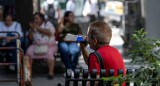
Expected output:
(84, 52)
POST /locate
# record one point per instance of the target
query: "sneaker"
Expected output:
(50, 77)
(72, 75)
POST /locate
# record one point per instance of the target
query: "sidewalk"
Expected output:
(39, 77)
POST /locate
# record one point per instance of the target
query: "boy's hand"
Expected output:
(83, 45)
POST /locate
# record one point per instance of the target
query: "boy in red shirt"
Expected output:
(99, 36)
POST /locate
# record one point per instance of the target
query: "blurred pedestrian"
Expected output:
(70, 6)
(69, 50)
(42, 34)
(52, 11)
(90, 9)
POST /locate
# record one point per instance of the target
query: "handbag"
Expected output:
(40, 49)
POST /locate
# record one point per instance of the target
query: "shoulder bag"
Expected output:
(41, 49)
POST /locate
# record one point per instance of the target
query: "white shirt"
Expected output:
(39, 37)
(70, 6)
(90, 8)
(14, 27)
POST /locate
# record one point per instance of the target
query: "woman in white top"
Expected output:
(42, 33)
(9, 25)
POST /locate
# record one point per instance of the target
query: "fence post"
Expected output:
(76, 75)
(85, 75)
(102, 74)
(93, 75)
(68, 75)
(120, 71)
(111, 73)
(129, 71)
(153, 76)
(136, 76)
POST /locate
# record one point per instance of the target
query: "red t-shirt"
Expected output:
(112, 60)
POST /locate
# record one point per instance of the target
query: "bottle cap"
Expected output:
(79, 38)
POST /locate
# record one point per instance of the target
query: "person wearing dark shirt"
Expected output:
(69, 50)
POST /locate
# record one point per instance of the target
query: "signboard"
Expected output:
(114, 7)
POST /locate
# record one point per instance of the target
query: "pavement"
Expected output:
(40, 71)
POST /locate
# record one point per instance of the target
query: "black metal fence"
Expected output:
(83, 78)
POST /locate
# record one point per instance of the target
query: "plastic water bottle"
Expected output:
(75, 38)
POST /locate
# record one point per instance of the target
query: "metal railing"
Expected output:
(82, 81)
(19, 64)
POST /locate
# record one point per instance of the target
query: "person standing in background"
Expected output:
(91, 9)
(70, 6)
(52, 11)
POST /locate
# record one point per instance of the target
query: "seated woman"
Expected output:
(68, 49)
(42, 33)
(9, 25)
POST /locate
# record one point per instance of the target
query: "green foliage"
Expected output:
(119, 80)
(145, 52)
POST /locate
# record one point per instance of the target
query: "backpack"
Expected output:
(99, 58)
(50, 11)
